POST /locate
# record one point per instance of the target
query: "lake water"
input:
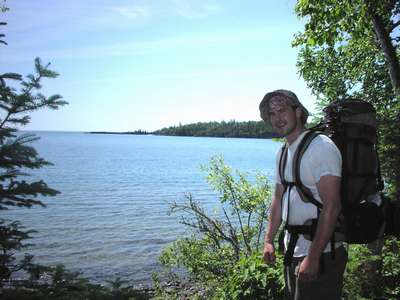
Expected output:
(110, 219)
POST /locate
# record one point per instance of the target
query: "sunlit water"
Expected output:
(111, 219)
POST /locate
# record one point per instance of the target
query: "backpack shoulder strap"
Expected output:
(282, 163)
(305, 194)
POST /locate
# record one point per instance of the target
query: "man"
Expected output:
(314, 267)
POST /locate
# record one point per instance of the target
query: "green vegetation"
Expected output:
(18, 98)
(232, 129)
(249, 129)
(224, 253)
(136, 132)
(350, 49)
(222, 258)
(16, 157)
(359, 284)
(61, 284)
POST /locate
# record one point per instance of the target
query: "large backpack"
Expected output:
(351, 124)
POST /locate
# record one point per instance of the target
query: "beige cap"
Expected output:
(285, 93)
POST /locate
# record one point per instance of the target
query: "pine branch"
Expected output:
(44, 71)
(26, 102)
(19, 202)
(22, 121)
(21, 193)
(51, 102)
(14, 153)
(2, 35)
(8, 174)
(5, 119)
(11, 240)
(4, 107)
(13, 76)
(7, 132)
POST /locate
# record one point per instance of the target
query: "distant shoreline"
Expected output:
(114, 132)
(273, 135)
(230, 129)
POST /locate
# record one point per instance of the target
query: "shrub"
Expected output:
(373, 276)
(224, 252)
(250, 278)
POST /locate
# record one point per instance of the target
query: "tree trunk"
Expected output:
(393, 64)
(392, 61)
(387, 47)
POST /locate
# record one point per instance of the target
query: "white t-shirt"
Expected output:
(321, 158)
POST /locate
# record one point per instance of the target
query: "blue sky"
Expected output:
(128, 65)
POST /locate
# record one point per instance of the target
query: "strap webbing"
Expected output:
(290, 250)
(304, 193)
(282, 163)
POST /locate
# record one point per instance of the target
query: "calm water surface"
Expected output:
(110, 219)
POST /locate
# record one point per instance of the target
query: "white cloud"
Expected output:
(150, 46)
(133, 12)
(195, 9)
(120, 16)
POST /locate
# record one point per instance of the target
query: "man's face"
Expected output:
(282, 116)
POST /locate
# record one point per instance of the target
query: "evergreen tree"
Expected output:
(249, 129)
(20, 96)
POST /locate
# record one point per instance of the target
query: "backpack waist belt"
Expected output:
(295, 231)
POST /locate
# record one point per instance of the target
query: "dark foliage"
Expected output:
(18, 97)
(249, 129)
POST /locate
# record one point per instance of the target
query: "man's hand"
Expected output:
(308, 269)
(269, 253)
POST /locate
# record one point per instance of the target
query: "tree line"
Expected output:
(246, 129)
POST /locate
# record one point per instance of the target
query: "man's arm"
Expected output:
(273, 225)
(329, 191)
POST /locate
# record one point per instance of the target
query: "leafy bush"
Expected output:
(250, 278)
(371, 276)
(224, 252)
(356, 277)
(391, 268)
(200, 257)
